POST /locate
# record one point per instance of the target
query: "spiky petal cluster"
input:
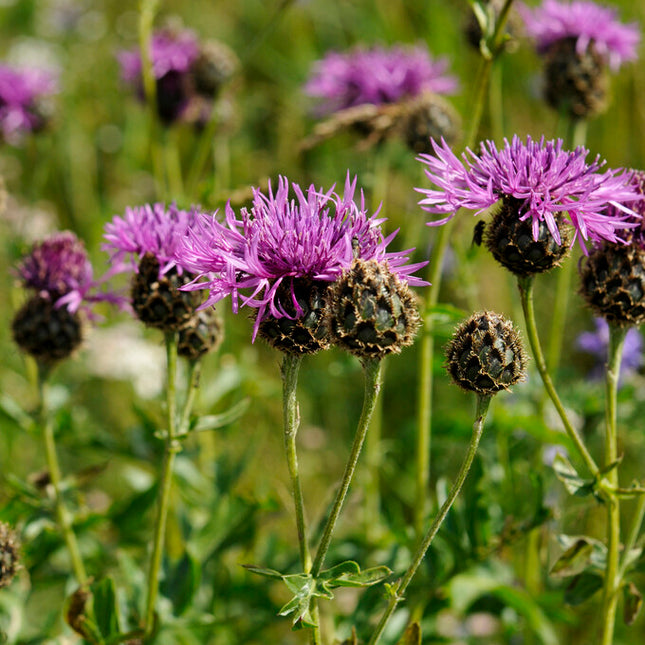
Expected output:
(377, 76)
(58, 269)
(585, 21)
(545, 179)
(315, 235)
(21, 90)
(635, 234)
(151, 228)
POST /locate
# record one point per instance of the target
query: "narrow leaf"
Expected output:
(574, 560)
(568, 475)
(214, 421)
(582, 587)
(412, 635)
(633, 601)
(261, 571)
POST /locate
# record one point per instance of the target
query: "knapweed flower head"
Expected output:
(587, 23)
(596, 343)
(261, 257)
(188, 74)
(377, 76)
(145, 241)
(151, 228)
(541, 179)
(58, 269)
(48, 326)
(22, 92)
(485, 354)
(612, 277)
(171, 51)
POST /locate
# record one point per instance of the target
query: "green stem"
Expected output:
(172, 447)
(398, 595)
(194, 373)
(525, 285)
(634, 531)
(372, 372)
(612, 574)
(291, 420)
(63, 518)
(147, 11)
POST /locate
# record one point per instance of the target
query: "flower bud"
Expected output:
(203, 333)
(576, 83)
(45, 331)
(512, 244)
(613, 283)
(299, 333)
(372, 312)
(485, 354)
(157, 300)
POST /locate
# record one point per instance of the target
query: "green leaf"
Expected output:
(214, 421)
(597, 557)
(568, 475)
(582, 587)
(574, 560)
(412, 635)
(633, 601)
(365, 578)
(106, 611)
(348, 567)
(261, 571)
(14, 411)
(181, 582)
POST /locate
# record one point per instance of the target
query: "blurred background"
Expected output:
(486, 579)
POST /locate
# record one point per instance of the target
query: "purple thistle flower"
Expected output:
(596, 343)
(170, 52)
(314, 236)
(151, 228)
(588, 23)
(636, 234)
(20, 92)
(58, 269)
(377, 76)
(546, 179)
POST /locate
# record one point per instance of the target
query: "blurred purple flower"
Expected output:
(588, 23)
(151, 228)
(315, 236)
(58, 268)
(170, 52)
(597, 342)
(377, 76)
(545, 178)
(21, 90)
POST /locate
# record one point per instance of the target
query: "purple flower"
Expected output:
(377, 76)
(635, 234)
(151, 228)
(315, 236)
(58, 268)
(21, 90)
(170, 52)
(597, 342)
(588, 23)
(546, 179)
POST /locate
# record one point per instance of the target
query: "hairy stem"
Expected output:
(612, 573)
(63, 518)
(372, 372)
(398, 595)
(525, 285)
(171, 449)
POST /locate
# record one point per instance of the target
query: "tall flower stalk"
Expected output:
(165, 482)
(398, 594)
(63, 516)
(612, 579)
